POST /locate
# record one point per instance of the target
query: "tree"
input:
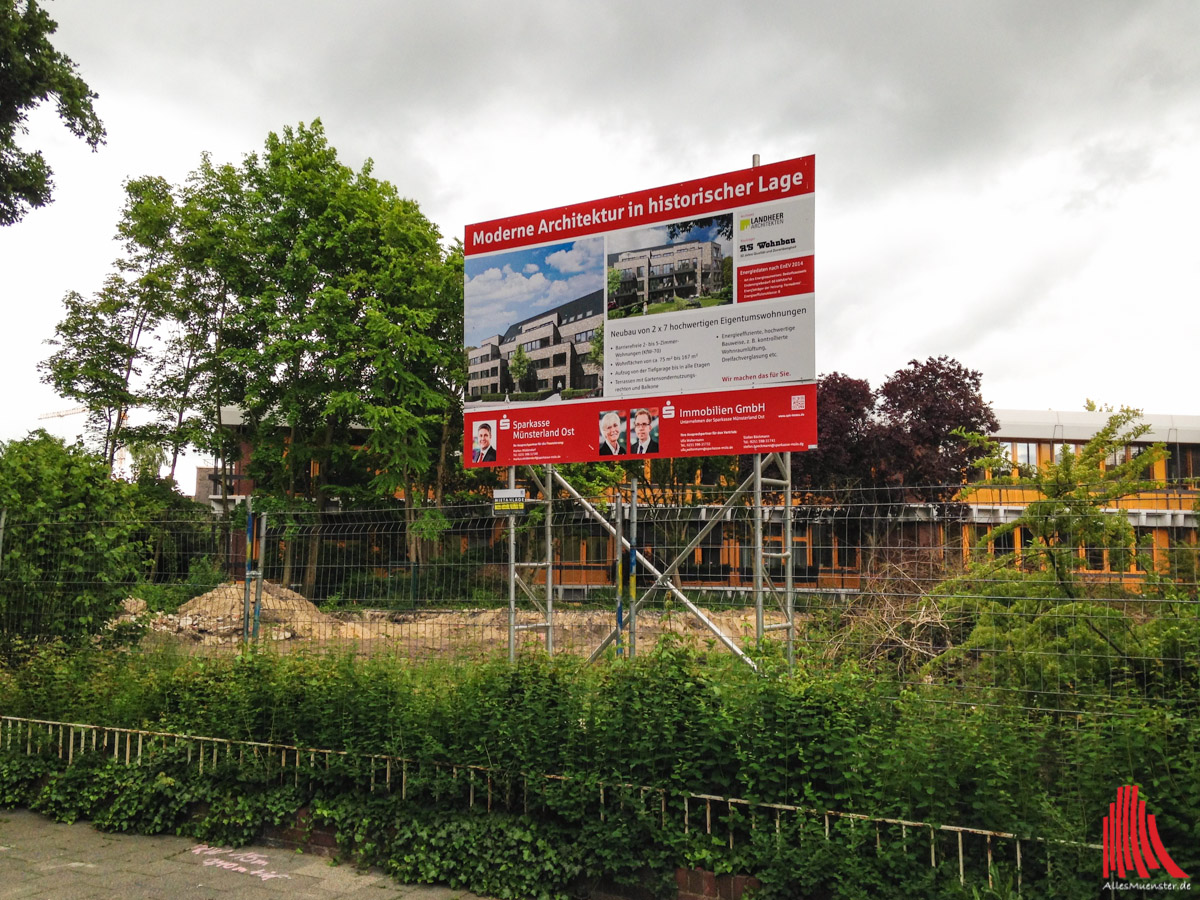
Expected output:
(341, 326)
(724, 225)
(308, 295)
(216, 268)
(1075, 497)
(32, 71)
(1034, 624)
(900, 442)
(68, 555)
(595, 354)
(88, 367)
(105, 343)
(923, 409)
(878, 449)
(520, 366)
(847, 451)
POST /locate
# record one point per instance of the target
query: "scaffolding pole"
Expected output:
(549, 558)
(512, 574)
(759, 623)
(789, 547)
(661, 577)
(618, 515)
(633, 508)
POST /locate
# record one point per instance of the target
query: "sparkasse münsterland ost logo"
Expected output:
(1131, 841)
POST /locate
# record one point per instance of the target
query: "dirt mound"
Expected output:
(221, 609)
(289, 620)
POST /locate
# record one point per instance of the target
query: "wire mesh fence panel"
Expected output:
(988, 598)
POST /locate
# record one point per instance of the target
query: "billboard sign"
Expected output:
(702, 293)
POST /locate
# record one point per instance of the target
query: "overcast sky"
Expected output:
(1012, 184)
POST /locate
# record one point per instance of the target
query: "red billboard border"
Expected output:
(717, 423)
(687, 199)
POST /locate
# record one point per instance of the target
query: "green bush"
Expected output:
(69, 551)
(204, 574)
(677, 721)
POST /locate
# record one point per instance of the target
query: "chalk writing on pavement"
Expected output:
(246, 862)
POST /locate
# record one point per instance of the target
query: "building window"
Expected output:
(1002, 544)
(1002, 471)
(596, 548)
(1144, 544)
(1025, 454)
(1059, 448)
(560, 359)
(1134, 452)
(822, 546)
(1184, 462)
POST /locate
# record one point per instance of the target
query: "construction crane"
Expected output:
(120, 460)
(64, 412)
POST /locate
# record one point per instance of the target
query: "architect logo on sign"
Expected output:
(1131, 842)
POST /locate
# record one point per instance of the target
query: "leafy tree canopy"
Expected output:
(67, 557)
(31, 72)
(308, 295)
(1074, 503)
(1062, 636)
(904, 436)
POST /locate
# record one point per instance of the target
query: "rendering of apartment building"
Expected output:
(556, 342)
(657, 274)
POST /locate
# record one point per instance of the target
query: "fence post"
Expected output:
(258, 582)
(249, 567)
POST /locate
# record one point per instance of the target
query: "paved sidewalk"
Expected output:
(42, 859)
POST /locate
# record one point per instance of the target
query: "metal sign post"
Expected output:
(633, 507)
(619, 553)
(758, 550)
(545, 603)
(512, 573)
(549, 558)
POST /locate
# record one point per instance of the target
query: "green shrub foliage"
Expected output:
(69, 550)
(630, 744)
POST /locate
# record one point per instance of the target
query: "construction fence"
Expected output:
(975, 594)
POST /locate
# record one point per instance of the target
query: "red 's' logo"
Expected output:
(1131, 841)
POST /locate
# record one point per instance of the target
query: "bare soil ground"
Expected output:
(287, 620)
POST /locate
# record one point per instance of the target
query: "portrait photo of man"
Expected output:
(484, 450)
(645, 431)
(612, 434)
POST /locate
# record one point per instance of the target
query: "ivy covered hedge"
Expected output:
(675, 722)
